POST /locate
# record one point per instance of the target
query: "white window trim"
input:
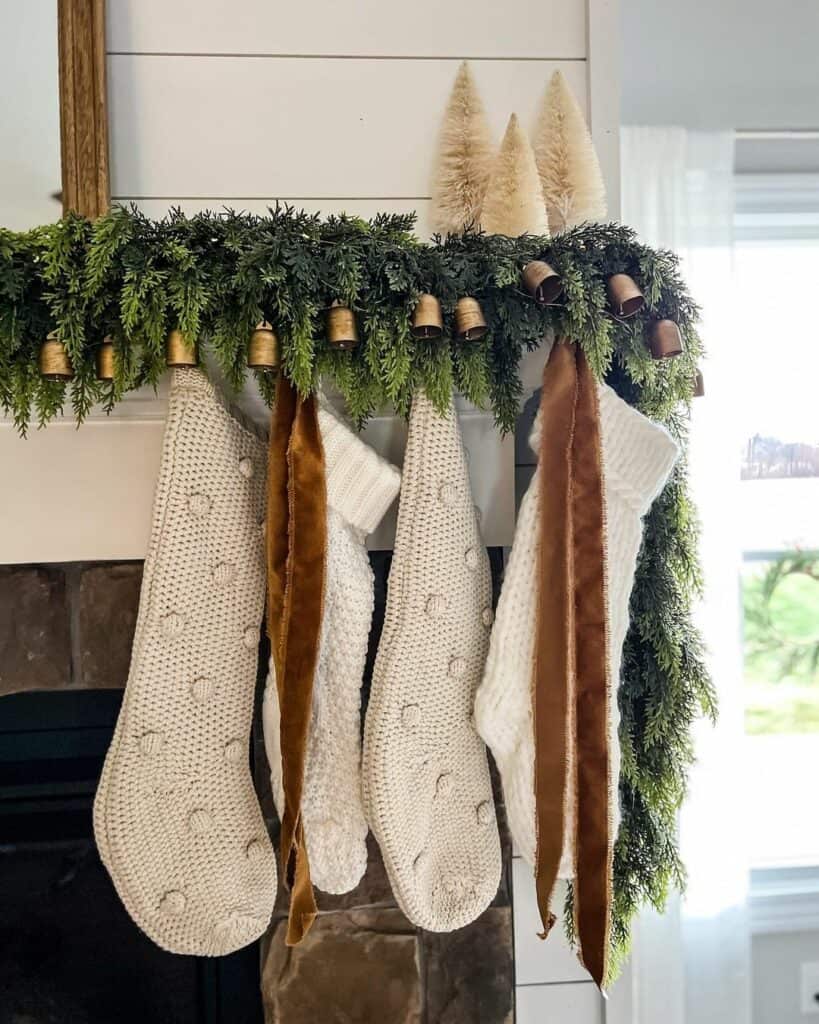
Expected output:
(784, 900)
(774, 207)
(780, 207)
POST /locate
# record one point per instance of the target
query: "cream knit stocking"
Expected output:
(638, 456)
(176, 817)
(427, 790)
(361, 486)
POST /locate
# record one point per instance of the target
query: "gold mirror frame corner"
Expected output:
(83, 107)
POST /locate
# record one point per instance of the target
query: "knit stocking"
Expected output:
(638, 456)
(176, 817)
(427, 789)
(361, 486)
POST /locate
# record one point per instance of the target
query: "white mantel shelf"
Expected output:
(85, 494)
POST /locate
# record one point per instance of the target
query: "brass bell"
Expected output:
(104, 360)
(665, 340)
(542, 282)
(179, 352)
(470, 324)
(625, 297)
(427, 318)
(699, 384)
(263, 349)
(342, 332)
(54, 361)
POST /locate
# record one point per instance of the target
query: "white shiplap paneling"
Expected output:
(539, 961)
(314, 128)
(603, 58)
(578, 1003)
(81, 495)
(426, 28)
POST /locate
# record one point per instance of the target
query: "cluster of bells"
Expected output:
(541, 281)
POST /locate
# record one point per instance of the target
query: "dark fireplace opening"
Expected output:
(69, 953)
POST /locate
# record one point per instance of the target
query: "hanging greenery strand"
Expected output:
(214, 277)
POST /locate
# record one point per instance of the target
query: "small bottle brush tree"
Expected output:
(463, 159)
(569, 169)
(513, 204)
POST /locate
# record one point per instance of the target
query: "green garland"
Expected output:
(214, 276)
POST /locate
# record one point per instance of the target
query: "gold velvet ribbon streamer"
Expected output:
(571, 687)
(296, 544)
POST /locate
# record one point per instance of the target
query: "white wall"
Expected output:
(332, 105)
(744, 64)
(29, 114)
(730, 64)
(777, 960)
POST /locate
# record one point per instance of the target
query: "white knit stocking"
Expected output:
(361, 486)
(176, 817)
(427, 789)
(638, 456)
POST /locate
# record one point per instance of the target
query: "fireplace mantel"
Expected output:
(81, 495)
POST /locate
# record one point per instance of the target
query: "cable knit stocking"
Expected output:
(176, 817)
(361, 486)
(638, 456)
(427, 789)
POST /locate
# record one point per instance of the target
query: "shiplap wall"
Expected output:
(333, 105)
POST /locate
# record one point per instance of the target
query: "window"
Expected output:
(776, 265)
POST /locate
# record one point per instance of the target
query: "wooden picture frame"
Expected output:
(83, 107)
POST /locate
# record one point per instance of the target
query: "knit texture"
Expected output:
(427, 790)
(176, 817)
(361, 486)
(638, 456)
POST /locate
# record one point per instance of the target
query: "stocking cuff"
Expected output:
(361, 485)
(638, 454)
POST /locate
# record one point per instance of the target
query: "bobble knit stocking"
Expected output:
(427, 789)
(176, 817)
(361, 486)
(638, 456)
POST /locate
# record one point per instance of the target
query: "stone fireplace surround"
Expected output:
(68, 951)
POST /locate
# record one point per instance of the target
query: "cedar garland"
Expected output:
(216, 275)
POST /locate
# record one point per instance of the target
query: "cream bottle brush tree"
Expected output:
(513, 204)
(570, 172)
(463, 159)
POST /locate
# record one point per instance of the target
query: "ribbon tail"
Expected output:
(278, 517)
(296, 548)
(303, 910)
(593, 838)
(554, 651)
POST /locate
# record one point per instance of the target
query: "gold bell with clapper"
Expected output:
(263, 349)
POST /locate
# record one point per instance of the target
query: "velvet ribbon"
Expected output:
(296, 545)
(570, 694)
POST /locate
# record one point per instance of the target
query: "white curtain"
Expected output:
(692, 964)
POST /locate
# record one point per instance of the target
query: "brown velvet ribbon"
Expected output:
(296, 544)
(571, 688)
